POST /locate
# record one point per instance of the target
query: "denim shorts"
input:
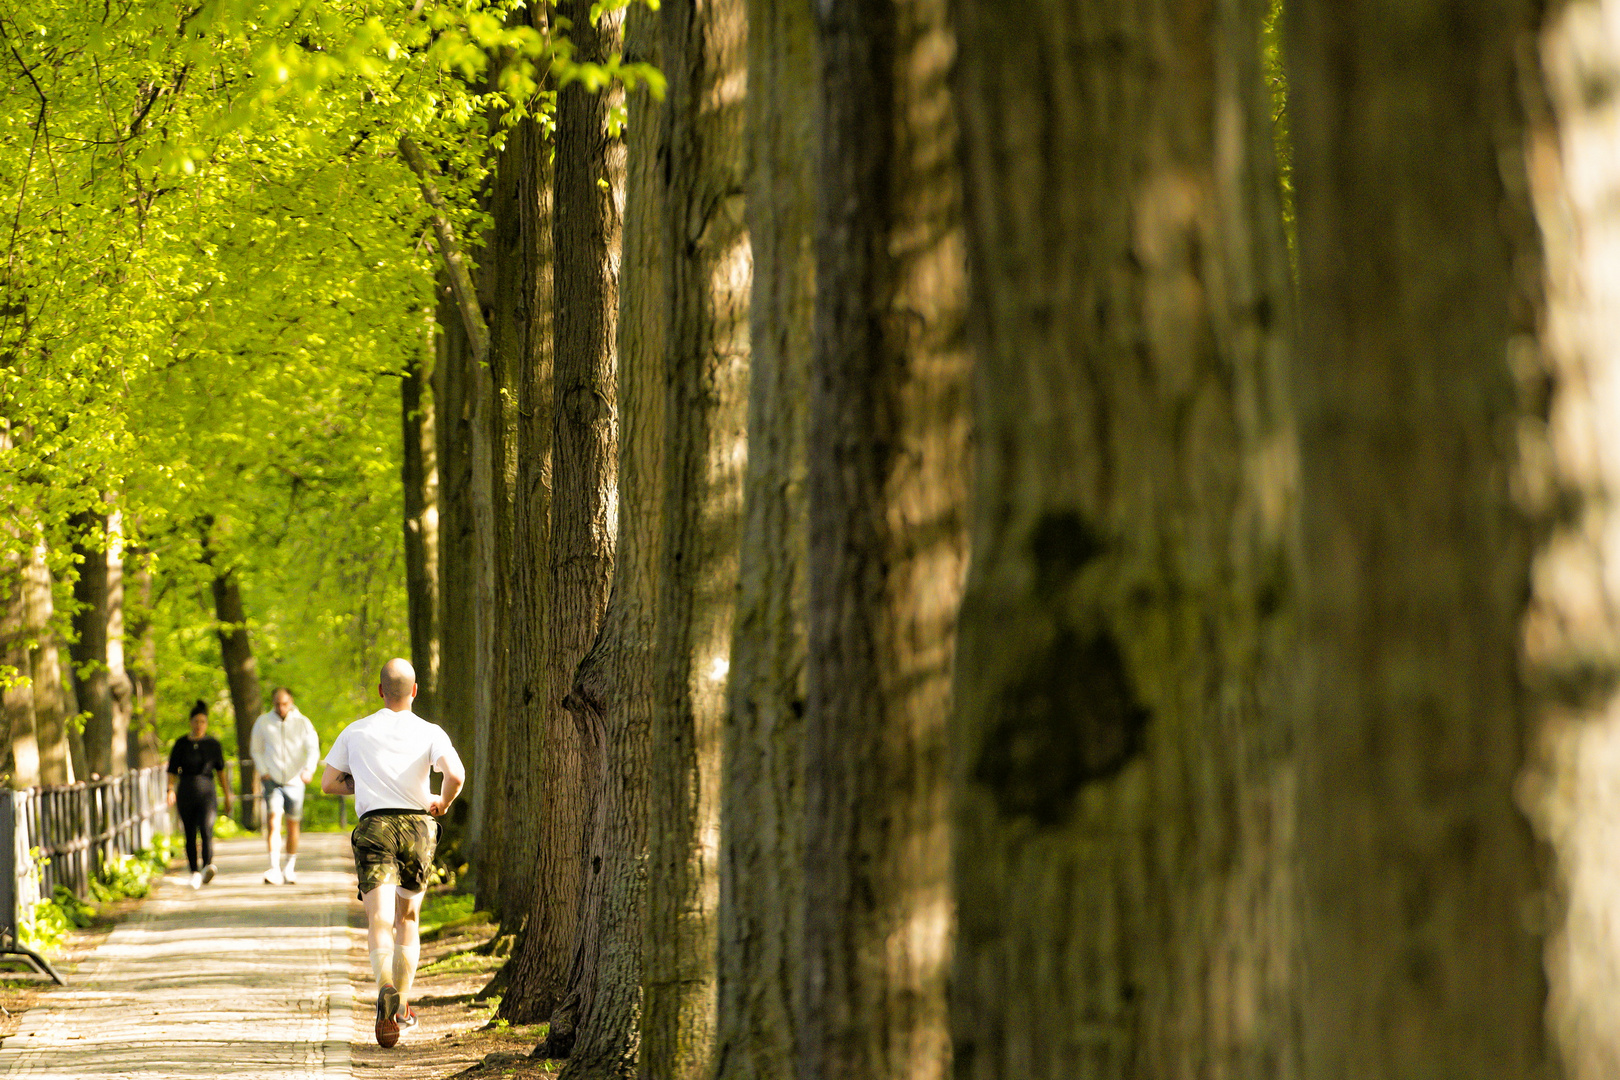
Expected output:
(285, 799)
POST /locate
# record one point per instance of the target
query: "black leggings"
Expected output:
(198, 814)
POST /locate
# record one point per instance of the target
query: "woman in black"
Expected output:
(195, 763)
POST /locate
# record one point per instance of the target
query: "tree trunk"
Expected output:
(1417, 275)
(887, 474)
(762, 794)
(585, 244)
(93, 590)
(1571, 476)
(457, 555)
(420, 482)
(45, 666)
(1123, 823)
(707, 278)
(242, 675)
(599, 1022)
(16, 685)
(145, 746)
(530, 153)
(119, 688)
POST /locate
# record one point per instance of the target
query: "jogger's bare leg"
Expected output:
(407, 944)
(380, 917)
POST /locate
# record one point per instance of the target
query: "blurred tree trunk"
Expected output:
(708, 273)
(1571, 480)
(95, 591)
(420, 482)
(887, 476)
(587, 194)
(241, 675)
(145, 748)
(598, 1024)
(45, 666)
(1418, 278)
(17, 695)
(1123, 829)
(120, 689)
(762, 794)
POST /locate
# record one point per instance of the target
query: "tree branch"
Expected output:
(461, 284)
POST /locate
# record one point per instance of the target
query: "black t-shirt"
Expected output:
(195, 763)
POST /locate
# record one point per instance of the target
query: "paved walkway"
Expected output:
(238, 979)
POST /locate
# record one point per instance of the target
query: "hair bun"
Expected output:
(200, 707)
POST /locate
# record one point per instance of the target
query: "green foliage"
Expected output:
(124, 876)
(440, 908)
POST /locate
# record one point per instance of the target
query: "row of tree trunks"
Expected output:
(761, 906)
(588, 192)
(241, 675)
(706, 281)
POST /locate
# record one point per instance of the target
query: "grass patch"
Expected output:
(461, 963)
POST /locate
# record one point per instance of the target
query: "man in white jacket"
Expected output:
(285, 751)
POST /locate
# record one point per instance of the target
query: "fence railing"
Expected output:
(63, 835)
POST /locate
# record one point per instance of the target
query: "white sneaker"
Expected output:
(196, 879)
(273, 876)
(208, 873)
(290, 876)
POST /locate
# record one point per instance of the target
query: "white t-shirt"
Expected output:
(389, 754)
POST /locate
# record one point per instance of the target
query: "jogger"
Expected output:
(384, 761)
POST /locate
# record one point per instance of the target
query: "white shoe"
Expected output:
(273, 876)
(196, 879)
(290, 876)
(208, 873)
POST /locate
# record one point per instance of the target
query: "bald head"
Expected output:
(397, 683)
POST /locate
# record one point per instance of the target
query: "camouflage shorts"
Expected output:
(394, 848)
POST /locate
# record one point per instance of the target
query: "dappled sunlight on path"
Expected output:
(240, 978)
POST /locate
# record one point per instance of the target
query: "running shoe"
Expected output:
(196, 880)
(407, 1021)
(273, 876)
(208, 873)
(290, 877)
(387, 1024)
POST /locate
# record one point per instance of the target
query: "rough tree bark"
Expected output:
(45, 666)
(598, 1024)
(530, 152)
(588, 190)
(762, 797)
(420, 483)
(708, 268)
(886, 487)
(1123, 821)
(1418, 269)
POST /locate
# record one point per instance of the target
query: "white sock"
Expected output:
(290, 860)
(405, 958)
(379, 965)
